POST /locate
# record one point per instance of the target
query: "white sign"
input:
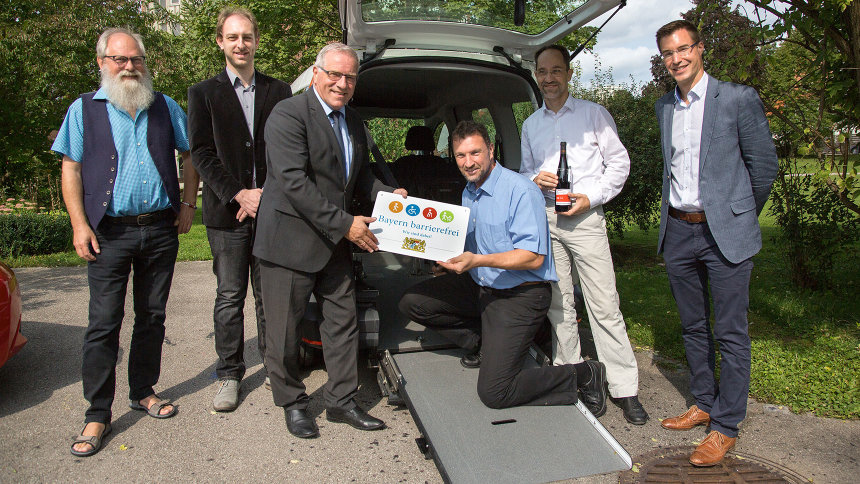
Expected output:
(418, 227)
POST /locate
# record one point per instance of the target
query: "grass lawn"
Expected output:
(805, 346)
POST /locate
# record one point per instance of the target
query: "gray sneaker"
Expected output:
(268, 384)
(227, 397)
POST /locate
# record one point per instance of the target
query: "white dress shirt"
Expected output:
(597, 160)
(686, 140)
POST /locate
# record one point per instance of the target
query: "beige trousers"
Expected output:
(580, 248)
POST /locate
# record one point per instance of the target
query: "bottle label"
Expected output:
(562, 196)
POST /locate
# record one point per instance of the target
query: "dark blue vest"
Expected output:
(99, 159)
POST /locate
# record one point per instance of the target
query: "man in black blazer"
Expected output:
(226, 115)
(317, 159)
(719, 165)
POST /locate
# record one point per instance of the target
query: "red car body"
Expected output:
(11, 339)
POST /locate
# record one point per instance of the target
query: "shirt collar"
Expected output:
(325, 106)
(697, 92)
(490, 183)
(100, 94)
(568, 104)
(234, 78)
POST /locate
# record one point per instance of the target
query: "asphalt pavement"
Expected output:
(42, 408)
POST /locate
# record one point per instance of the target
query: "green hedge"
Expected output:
(30, 233)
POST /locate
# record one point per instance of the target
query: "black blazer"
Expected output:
(222, 149)
(306, 207)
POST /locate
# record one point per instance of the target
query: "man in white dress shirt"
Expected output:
(599, 166)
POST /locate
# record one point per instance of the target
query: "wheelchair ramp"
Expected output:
(471, 443)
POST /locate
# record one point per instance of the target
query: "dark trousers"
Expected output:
(504, 323)
(150, 251)
(692, 262)
(232, 264)
(285, 298)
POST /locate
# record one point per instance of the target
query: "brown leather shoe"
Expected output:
(688, 420)
(712, 450)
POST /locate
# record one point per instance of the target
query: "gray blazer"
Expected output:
(737, 166)
(305, 208)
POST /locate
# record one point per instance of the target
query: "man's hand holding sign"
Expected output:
(417, 227)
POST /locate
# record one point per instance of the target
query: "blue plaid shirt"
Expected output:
(138, 188)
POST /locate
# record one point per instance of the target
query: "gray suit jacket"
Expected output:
(305, 208)
(737, 166)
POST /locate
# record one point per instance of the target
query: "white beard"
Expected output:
(128, 94)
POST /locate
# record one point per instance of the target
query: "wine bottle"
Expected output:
(562, 190)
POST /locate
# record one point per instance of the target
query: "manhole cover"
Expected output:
(671, 465)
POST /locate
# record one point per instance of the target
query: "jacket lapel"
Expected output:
(318, 116)
(353, 124)
(668, 108)
(260, 92)
(227, 94)
(710, 115)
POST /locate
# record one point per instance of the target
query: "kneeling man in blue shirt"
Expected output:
(493, 298)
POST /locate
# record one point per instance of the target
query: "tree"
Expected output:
(47, 58)
(632, 108)
(827, 33)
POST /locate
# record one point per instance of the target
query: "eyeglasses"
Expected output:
(682, 51)
(122, 60)
(554, 72)
(335, 76)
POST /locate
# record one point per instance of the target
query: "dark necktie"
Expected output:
(335, 116)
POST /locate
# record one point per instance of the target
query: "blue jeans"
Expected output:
(693, 260)
(232, 262)
(151, 252)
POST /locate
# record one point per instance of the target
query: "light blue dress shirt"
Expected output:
(138, 188)
(687, 119)
(506, 213)
(343, 130)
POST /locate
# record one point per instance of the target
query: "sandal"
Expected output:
(95, 442)
(154, 410)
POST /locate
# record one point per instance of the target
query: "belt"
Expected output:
(532, 283)
(142, 219)
(691, 217)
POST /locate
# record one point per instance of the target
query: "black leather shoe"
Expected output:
(300, 424)
(593, 393)
(355, 417)
(471, 360)
(633, 410)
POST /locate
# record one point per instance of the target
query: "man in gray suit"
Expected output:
(719, 164)
(316, 159)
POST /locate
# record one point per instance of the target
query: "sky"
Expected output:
(626, 43)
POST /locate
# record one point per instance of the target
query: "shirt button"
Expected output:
(104, 204)
(110, 181)
(138, 144)
(112, 168)
(144, 182)
(107, 192)
(247, 144)
(113, 157)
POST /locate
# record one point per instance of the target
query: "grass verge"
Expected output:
(805, 345)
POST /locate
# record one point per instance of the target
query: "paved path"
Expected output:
(41, 410)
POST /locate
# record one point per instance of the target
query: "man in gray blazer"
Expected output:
(719, 164)
(317, 158)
